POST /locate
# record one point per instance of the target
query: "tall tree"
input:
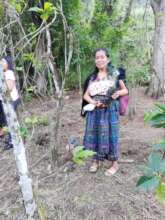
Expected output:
(157, 87)
(25, 181)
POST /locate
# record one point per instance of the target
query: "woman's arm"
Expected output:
(10, 84)
(88, 98)
(10, 79)
(122, 91)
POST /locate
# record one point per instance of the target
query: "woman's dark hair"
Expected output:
(102, 49)
(9, 62)
(9, 59)
(122, 72)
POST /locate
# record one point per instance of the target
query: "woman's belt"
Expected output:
(106, 100)
(102, 106)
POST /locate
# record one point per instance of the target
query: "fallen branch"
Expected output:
(126, 161)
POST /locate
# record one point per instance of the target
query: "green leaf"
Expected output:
(156, 118)
(30, 89)
(148, 183)
(45, 16)
(78, 161)
(28, 57)
(146, 170)
(162, 166)
(19, 68)
(149, 115)
(160, 145)
(28, 120)
(158, 121)
(79, 154)
(43, 121)
(23, 131)
(35, 120)
(160, 193)
(18, 7)
(161, 106)
(48, 10)
(154, 162)
(49, 6)
(42, 211)
(83, 154)
(77, 149)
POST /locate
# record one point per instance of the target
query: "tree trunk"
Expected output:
(55, 124)
(52, 65)
(132, 102)
(19, 150)
(128, 10)
(156, 87)
(40, 73)
(87, 11)
(45, 57)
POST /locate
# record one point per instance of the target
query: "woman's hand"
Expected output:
(116, 95)
(101, 105)
(97, 103)
(93, 102)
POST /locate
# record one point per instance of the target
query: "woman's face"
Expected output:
(4, 64)
(101, 59)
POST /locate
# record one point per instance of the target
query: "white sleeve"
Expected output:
(9, 75)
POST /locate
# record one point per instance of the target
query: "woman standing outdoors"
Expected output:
(102, 120)
(10, 79)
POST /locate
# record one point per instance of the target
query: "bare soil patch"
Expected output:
(75, 194)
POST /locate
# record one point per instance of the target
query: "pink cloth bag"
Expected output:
(123, 104)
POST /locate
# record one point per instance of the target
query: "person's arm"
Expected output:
(10, 79)
(88, 98)
(122, 91)
(10, 84)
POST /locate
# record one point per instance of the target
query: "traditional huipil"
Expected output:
(102, 124)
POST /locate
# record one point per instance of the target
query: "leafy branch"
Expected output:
(45, 12)
(80, 155)
(154, 170)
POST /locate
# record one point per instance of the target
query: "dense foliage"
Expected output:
(126, 32)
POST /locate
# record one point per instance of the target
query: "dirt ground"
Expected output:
(73, 193)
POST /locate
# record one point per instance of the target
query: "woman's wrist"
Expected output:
(119, 93)
(93, 102)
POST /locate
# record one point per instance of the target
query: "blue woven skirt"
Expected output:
(102, 132)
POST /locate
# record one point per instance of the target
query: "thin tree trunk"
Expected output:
(40, 74)
(128, 11)
(132, 102)
(157, 84)
(87, 12)
(51, 63)
(55, 125)
(19, 150)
